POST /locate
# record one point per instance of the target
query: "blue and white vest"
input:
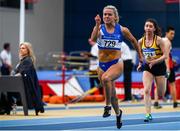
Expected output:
(110, 40)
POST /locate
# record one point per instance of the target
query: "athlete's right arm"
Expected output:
(139, 68)
(95, 33)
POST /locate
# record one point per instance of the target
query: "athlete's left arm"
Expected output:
(127, 34)
(161, 44)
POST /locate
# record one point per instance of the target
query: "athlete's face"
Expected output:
(170, 35)
(108, 16)
(149, 27)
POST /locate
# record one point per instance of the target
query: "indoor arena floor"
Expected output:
(88, 116)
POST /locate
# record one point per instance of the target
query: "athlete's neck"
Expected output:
(149, 36)
(110, 28)
(110, 25)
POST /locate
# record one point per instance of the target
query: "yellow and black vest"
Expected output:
(153, 52)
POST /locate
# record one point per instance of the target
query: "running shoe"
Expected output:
(157, 106)
(107, 111)
(118, 120)
(175, 104)
(148, 118)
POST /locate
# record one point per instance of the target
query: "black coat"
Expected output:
(30, 79)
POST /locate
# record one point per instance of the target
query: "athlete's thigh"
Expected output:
(147, 80)
(115, 70)
(100, 73)
(160, 83)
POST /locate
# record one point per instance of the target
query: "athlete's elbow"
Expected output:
(94, 39)
(165, 57)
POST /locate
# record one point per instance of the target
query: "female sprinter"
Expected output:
(109, 37)
(154, 53)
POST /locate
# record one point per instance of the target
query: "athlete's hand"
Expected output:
(151, 63)
(139, 68)
(167, 73)
(97, 20)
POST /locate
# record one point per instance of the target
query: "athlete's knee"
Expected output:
(105, 78)
(146, 91)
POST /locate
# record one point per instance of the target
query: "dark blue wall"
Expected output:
(79, 18)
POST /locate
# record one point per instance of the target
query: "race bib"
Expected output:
(149, 53)
(110, 44)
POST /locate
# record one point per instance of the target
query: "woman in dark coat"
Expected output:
(27, 70)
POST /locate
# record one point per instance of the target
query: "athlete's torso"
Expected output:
(152, 52)
(109, 44)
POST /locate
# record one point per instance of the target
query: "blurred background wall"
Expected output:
(57, 25)
(79, 18)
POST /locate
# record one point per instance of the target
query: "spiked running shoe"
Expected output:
(175, 104)
(107, 111)
(157, 106)
(118, 120)
(148, 118)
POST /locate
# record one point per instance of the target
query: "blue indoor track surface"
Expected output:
(161, 121)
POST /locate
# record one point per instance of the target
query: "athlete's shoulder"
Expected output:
(159, 40)
(165, 39)
(158, 37)
(140, 40)
(123, 28)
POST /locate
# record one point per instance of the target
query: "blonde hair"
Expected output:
(114, 10)
(30, 51)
